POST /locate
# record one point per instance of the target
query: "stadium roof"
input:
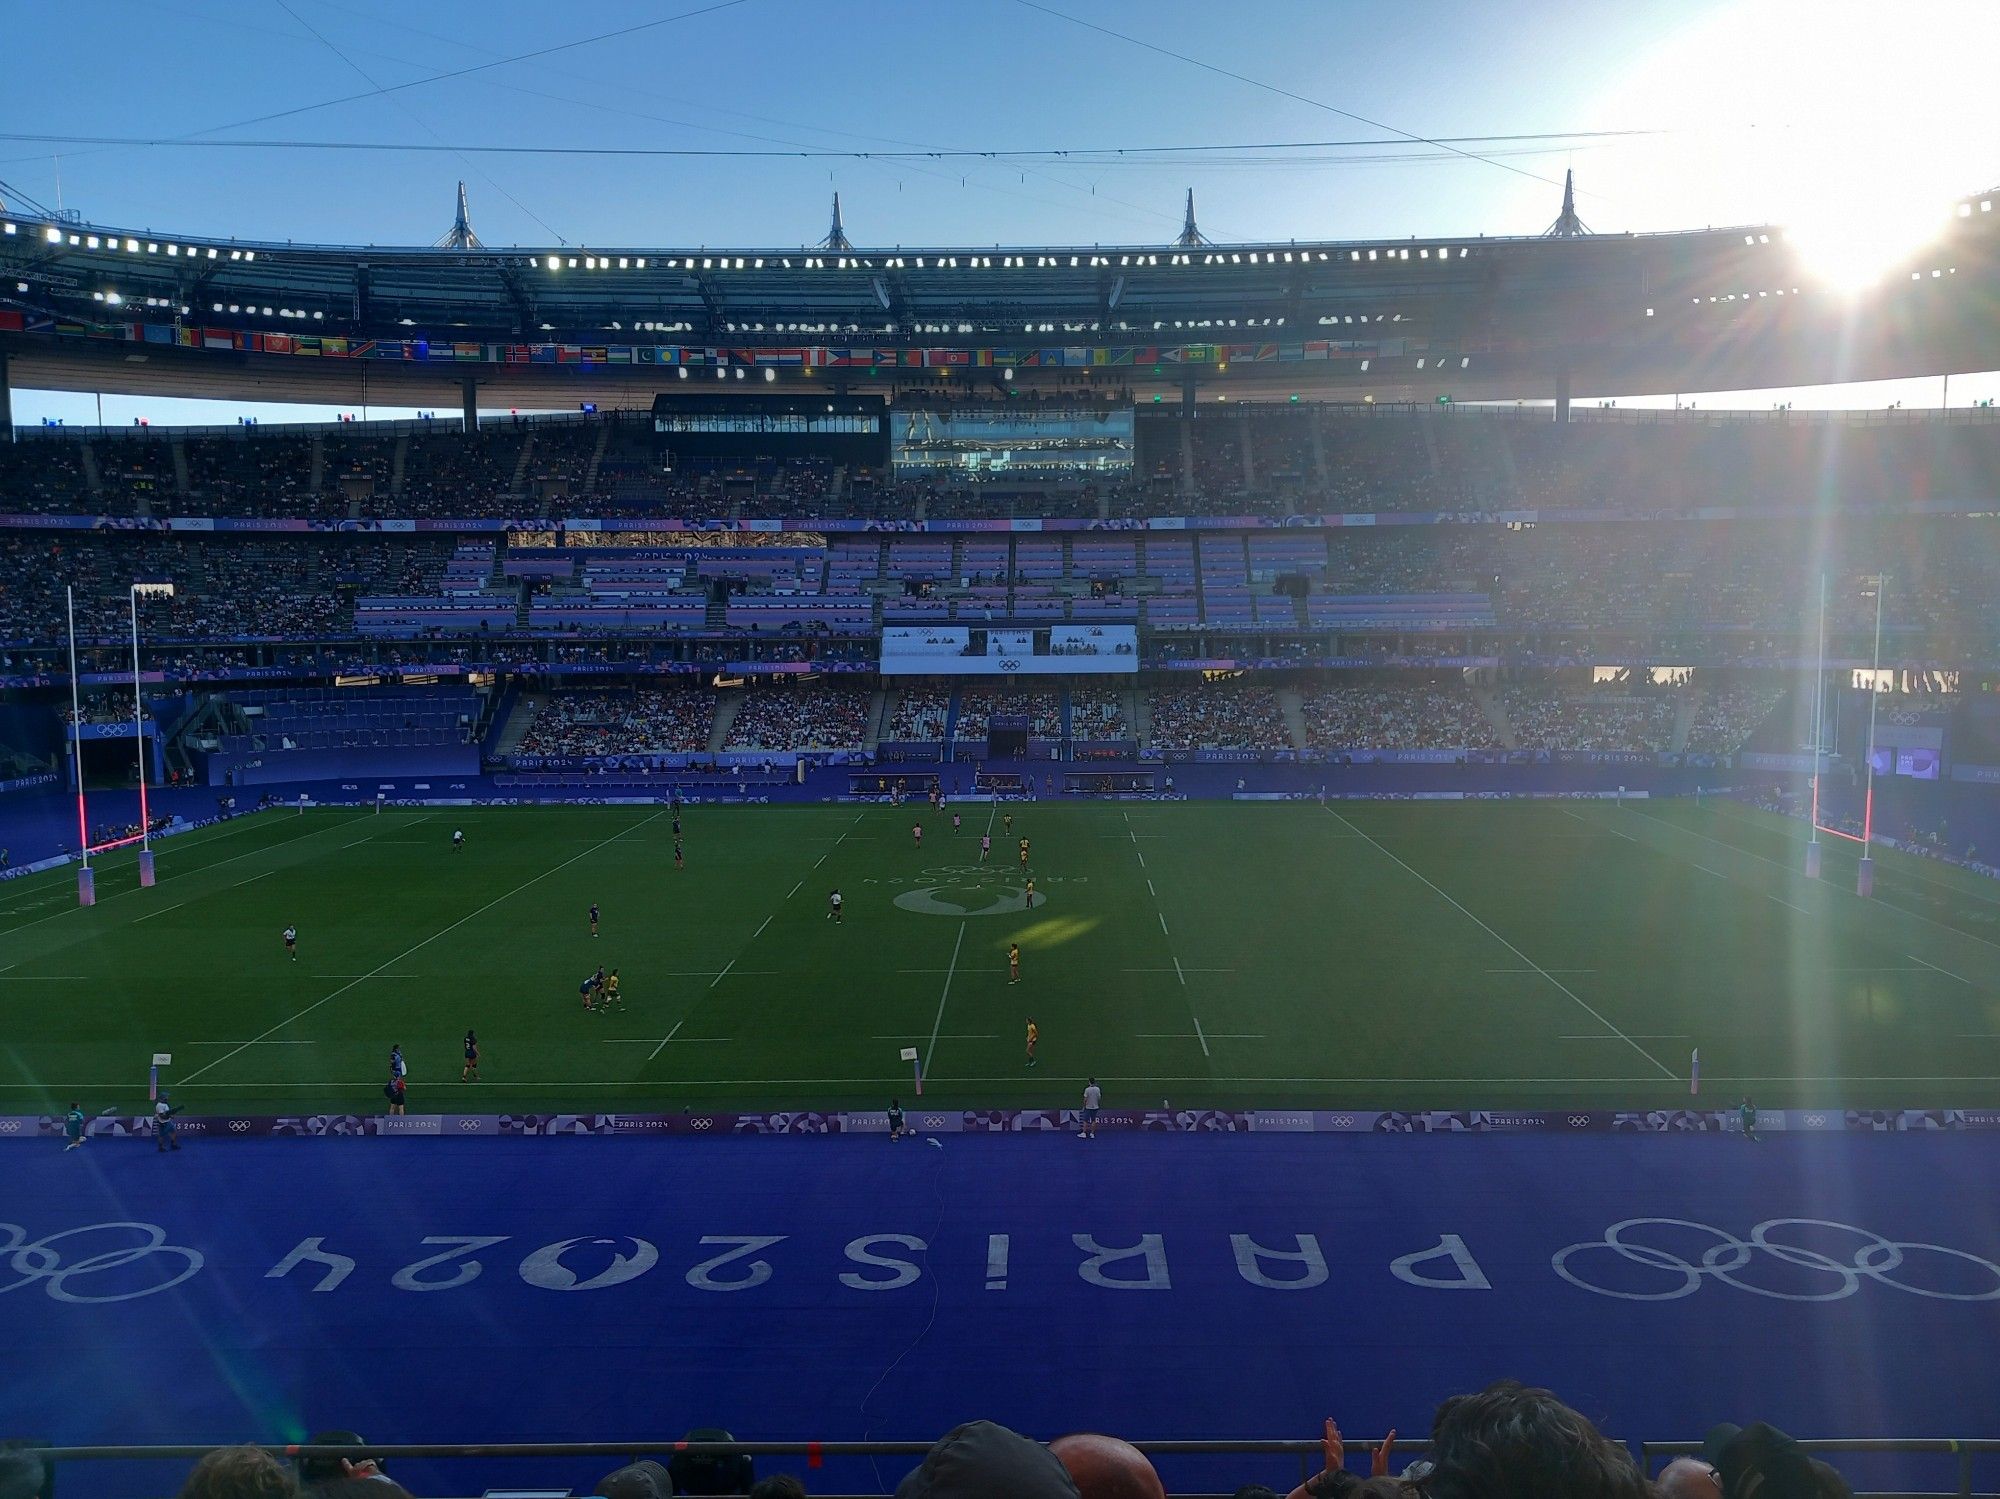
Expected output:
(1499, 317)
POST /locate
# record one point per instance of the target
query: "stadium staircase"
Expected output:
(1319, 452)
(91, 476)
(596, 458)
(518, 723)
(317, 476)
(1292, 704)
(178, 451)
(398, 464)
(1431, 450)
(727, 706)
(1186, 431)
(1496, 714)
(716, 619)
(518, 484)
(1142, 718)
(1684, 712)
(878, 719)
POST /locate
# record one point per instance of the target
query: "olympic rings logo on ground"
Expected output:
(1873, 1258)
(41, 1262)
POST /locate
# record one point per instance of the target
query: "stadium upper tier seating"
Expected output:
(1246, 459)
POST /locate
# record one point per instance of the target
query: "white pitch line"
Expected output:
(760, 929)
(1151, 891)
(950, 973)
(1200, 1037)
(249, 1043)
(41, 978)
(795, 889)
(1541, 970)
(384, 967)
(253, 879)
(1599, 1036)
(1600, 827)
(161, 912)
(1945, 971)
(819, 861)
(251, 821)
(664, 1040)
(1389, 854)
(1765, 859)
(357, 977)
(1178, 970)
(722, 975)
(126, 1086)
(1163, 924)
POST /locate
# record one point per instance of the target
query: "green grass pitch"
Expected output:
(1369, 954)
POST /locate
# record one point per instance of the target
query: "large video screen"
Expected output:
(1012, 441)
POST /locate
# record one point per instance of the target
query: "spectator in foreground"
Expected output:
(1107, 1468)
(779, 1486)
(640, 1480)
(1510, 1441)
(982, 1460)
(316, 1471)
(1335, 1482)
(1689, 1478)
(239, 1473)
(21, 1476)
(1763, 1462)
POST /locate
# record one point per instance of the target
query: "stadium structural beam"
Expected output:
(1562, 396)
(468, 390)
(6, 402)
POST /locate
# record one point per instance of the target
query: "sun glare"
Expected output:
(1853, 124)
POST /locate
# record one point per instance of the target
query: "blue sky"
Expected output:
(1755, 110)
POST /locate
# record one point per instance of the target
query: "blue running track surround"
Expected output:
(839, 1287)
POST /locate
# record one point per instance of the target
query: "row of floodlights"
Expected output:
(982, 262)
(56, 236)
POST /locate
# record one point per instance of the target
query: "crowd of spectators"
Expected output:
(1213, 715)
(1098, 713)
(776, 718)
(458, 473)
(1251, 459)
(255, 473)
(919, 714)
(1725, 719)
(1506, 1441)
(624, 721)
(1433, 715)
(103, 706)
(979, 705)
(1554, 716)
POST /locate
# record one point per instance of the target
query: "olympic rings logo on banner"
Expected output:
(42, 1262)
(1873, 1258)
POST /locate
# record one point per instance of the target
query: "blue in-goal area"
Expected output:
(1230, 1285)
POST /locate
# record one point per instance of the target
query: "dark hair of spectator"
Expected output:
(1511, 1441)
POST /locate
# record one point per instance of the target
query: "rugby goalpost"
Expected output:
(86, 879)
(1864, 880)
